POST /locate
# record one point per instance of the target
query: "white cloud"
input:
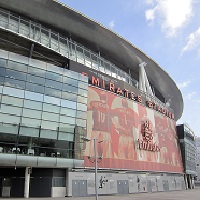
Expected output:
(190, 95)
(172, 14)
(150, 14)
(193, 41)
(183, 85)
(111, 24)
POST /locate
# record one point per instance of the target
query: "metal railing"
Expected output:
(66, 47)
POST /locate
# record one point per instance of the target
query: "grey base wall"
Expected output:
(83, 183)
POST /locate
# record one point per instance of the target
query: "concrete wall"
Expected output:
(136, 183)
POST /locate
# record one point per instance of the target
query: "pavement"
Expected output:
(193, 194)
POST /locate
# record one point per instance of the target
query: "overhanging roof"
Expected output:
(98, 38)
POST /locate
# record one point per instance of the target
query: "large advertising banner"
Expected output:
(129, 135)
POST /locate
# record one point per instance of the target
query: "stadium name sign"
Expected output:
(110, 86)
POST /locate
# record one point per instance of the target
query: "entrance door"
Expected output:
(122, 187)
(17, 187)
(79, 188)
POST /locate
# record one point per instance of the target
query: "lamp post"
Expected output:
(95, 161)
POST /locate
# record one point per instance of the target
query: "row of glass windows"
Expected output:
(41, 106)
(64, 123)
(15, 70)
(62, 147)
(66, 83)
(62, 117)
(38, 68)
(43, 98)
(80, 94)
(67, 48)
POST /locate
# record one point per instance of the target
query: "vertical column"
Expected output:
(27, 182)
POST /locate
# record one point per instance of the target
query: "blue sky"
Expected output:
(168, 31)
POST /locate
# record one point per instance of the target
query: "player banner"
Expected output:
(130, 135)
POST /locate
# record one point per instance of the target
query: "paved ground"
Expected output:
(193, 194)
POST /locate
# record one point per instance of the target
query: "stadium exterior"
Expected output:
(65, 77)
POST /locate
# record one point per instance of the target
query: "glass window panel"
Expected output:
(53, 76)
(82, 92)
(33, 104)
(72, 54)
(68, 112)
(34, 88)
(20, 59)
(35, 79)
(69, 96)
(54, 41)
(2, 63)
(68, 104)
(70, 81)
(70, 74)
(3, 54)
(81, 99)
(65, 136)
(83, 78)
(69, 120)
(17, 66)
(83, 85)
(48, 134)
(114, 72)
(107, 68)
(36, 71)
(38, 64)
(2, 71)
(13, 92)
(69, 88)
(11, 110)
(2, 79)
(45, 37)
(50, 116)
(55, 69)
(24, 27)
(9, 128)
(81, 123)
(81, 106)
(31, 122)
(81, 114)
(14, 83)
(6, 118)
(52, 100)
(13, 23)
(49, 125)
(53, 92)
(51, 108)
(36, 31)
(15, 74)
(53, 84)
(4, 19)
(67, 128)
(80, 57)
(32, 113)
(12, 101)
(101, 66)
(33, 96)
(28, 131)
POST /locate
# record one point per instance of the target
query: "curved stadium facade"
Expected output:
(64, 78)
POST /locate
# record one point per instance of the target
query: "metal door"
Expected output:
(122, 187)
(17, 187)
(149, 186)
(165, 186)
(79, 188)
